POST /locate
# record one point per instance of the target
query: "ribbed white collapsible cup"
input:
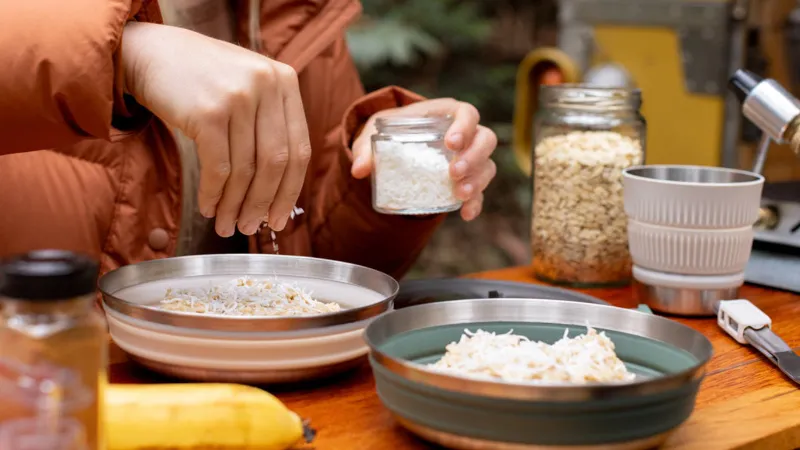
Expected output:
(689, 250)
(692, 196)
(690, 233)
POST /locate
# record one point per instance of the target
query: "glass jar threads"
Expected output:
(411, 172)
(585, 137)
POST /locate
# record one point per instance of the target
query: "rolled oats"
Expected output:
(579, 227)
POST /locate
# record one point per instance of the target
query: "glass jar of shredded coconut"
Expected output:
(411, 172)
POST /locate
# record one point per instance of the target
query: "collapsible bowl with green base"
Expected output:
(465, 413)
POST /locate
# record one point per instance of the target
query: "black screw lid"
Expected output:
(743, 82)
(48, 275)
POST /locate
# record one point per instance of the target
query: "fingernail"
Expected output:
(249, 228)
(472, 213)
(466, 189)
(467, 214)
(208, 212)
(281, 223)
(460, 168)
(226, 232)
(456, 141)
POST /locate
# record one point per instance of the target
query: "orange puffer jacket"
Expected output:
(110, 183)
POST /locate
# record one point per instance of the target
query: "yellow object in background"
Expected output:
(540, 67)
(198, 415)
(683, 127)
(678, 53)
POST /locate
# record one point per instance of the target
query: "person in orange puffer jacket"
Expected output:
(111, 122)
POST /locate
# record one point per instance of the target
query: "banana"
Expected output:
(198, 415)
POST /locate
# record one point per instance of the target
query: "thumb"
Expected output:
(362, 153)
(362, 159)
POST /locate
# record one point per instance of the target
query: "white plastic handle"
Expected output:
(736, 316)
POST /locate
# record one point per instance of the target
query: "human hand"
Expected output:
(472, 169)
(242, 109)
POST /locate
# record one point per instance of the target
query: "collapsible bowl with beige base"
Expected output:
(690, 233)
(244, 349)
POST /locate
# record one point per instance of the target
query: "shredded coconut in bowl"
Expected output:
(247, 297)
(586, 358)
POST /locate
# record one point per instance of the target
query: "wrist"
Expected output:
(134, 44)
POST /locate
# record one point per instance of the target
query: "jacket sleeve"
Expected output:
(343, 225)
(59, 81)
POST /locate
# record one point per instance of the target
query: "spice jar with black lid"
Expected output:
(53, 352)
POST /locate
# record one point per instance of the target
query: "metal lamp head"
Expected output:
(766, 103)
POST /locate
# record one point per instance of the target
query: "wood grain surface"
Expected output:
(744, 402)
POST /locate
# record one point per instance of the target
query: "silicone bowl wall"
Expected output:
(249, 358)
(590, 422)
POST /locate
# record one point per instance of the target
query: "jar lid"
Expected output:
(414, 124)
(48, 275)
(590, 97)
(414, 120)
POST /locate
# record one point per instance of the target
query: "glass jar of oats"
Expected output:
(585, 137)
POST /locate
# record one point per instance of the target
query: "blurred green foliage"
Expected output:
(436, 48)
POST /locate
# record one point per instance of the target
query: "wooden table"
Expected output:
(744, 402)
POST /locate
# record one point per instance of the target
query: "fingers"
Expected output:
(243, 166)
(473, 170)
(461, 133)
(272, 157)
(472, 208)
(471, 185)
(299, 152)
(473, 158)
(465, 119)
(215, 166)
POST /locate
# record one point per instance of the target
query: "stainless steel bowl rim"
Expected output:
(631, 172)
(243, 265)
(446, 313)
(307, 333)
